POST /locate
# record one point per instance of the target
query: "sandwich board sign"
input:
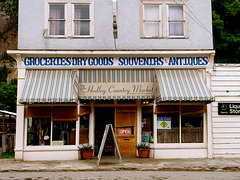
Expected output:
(103, 142)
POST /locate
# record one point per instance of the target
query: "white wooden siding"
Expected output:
(225, 85)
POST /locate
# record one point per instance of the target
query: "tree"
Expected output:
(8, 96)
(226, 30)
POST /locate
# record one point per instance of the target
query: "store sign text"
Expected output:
(228, 108)
(116, 89)
(111, 61)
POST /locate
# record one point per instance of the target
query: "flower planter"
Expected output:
(143, 153)
(87, 154)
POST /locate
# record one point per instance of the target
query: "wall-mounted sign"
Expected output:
(116, 89)
(164, 122)
(150, 61)
(228, 108)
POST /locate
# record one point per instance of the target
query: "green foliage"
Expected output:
(8, 96)
(3, 74)
(9, 155)
(5, 56)
(85, 147)
(143, 146)
(226, 30)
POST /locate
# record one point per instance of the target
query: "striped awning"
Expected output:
(50, 86)
(182, 85)
(116, 84)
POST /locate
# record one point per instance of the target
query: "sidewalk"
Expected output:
(129, 164)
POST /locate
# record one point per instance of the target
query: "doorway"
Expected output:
(104, 116)
(126, 130)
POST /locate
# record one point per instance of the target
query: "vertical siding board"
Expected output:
(226, 128)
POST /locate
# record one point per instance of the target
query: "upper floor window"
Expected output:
(72, 18)
(164, 19)
(176, 20)
(57, 19)
(152, 20)
(81, 20)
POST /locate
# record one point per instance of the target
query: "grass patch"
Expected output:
(9, 155)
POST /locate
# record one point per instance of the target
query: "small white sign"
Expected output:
(164, 123)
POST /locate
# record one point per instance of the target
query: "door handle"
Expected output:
(126, 139)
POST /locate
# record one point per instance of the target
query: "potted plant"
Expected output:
(143, 150)
(86, 151)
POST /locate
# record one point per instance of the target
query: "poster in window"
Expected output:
(164, 122)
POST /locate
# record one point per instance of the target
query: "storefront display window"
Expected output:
(180, 124)
(51, 125)
(38, 131)
(147, 124)
(168, 128)
(64, 132)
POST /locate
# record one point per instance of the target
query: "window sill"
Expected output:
(51, 148)
(69, 37)
(180, 145)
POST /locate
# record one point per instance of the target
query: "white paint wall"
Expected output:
(31, 28)
(225, 128)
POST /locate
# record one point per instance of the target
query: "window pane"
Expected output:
(168, 128)
(151, 29)
(176, 12)
(64, 132)
(192, 128)
(176, 29)
(57, 27)
(82, 28)
(81, 12)
(147, 124)
(38, 131)
(151, 12)
(56, 11)
(84, 129)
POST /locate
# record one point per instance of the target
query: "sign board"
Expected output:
(228, 108)
(110, 61)
(103, 143)
(124, 131)
(116, 89)
(164, 122)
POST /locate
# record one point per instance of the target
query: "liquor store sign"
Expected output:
(228, 108)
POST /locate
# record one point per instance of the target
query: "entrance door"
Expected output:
(125, 130)
(104, 116)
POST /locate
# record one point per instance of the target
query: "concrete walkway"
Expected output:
(129, 164)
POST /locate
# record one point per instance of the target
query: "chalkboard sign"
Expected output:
(228, 108)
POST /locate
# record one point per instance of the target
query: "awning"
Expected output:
(182, 85)
(116, 84)
(50, 86)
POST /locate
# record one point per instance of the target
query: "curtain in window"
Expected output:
(176, 21)
(82, 21)
(57, 20)
(151, 20)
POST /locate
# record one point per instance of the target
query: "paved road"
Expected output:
(120, 175)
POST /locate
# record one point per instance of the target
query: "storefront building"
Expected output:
(80, 68)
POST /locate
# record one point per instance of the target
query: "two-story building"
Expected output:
(140, 65)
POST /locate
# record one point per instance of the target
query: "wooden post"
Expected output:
(3, 127)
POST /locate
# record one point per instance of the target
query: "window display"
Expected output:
(38, 131)
(180, 124)
(147, 124)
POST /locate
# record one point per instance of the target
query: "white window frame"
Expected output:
(185, 20)
(160, 21)
(164, 28)
(91, 15)
(69, 16)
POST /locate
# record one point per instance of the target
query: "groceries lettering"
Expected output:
(111, 61)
